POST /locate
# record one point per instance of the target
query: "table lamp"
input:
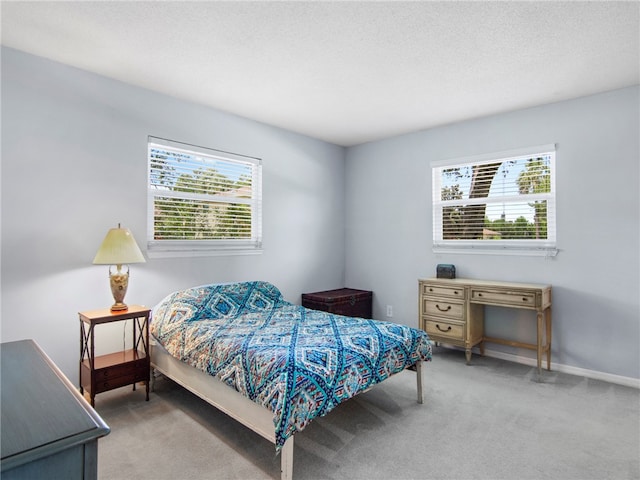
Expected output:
(118, 248)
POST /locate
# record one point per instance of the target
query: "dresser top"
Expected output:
(42, 412)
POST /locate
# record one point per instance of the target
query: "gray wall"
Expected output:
(74, 164)
(595, 277)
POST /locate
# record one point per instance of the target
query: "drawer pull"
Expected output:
(431, 289)
(524, 299)
(443, 330)
(479, 294)
(443, 309)
(455, 292)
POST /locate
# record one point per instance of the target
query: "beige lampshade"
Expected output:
(118, 248)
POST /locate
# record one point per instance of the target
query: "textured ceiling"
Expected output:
(344, 72)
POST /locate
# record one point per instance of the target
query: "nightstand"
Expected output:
(106, 372)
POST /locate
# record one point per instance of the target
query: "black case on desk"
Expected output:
(445, 270)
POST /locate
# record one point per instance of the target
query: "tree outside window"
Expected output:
(506, 203)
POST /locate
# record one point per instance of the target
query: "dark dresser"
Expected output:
(48, 429)
(342, 301)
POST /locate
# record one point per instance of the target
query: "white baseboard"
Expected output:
(583, 372)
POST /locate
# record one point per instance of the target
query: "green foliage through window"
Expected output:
(199, 195)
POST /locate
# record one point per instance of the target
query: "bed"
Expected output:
(272, 365)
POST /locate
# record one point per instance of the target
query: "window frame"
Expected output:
(204, 247)
(529, 247)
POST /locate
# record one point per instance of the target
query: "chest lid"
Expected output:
(338, 295)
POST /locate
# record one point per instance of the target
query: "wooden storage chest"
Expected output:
(342, 301)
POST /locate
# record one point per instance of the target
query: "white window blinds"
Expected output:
(202, 200)
(500, 202)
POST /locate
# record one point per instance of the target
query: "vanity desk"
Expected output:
(452, 312)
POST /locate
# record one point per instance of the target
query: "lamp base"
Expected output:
(119, 282)
(119, 307)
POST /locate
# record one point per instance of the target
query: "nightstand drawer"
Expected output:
(446, 291)
(518, 299)
(111, 383)
(443, 308)
(116, 371)
(437, 328)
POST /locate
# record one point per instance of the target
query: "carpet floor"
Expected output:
(491, 420)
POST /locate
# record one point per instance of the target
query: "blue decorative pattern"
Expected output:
(298, 363)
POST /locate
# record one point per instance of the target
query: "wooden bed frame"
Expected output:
(220, 395)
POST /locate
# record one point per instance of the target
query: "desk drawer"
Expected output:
(443, 291)
(516, 299)
(442, 307)
(437, 328)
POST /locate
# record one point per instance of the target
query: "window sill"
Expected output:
(195, 252)
(525, 251)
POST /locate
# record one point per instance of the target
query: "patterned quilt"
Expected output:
(298, 363)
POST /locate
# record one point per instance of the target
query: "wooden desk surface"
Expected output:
(488, 283)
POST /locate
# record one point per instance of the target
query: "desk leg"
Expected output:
(539, 346)
(548, 322)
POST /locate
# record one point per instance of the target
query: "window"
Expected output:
(498, 203)
(202, 201)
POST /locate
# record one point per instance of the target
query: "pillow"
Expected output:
(226, 300)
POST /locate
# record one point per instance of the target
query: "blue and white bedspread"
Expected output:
(298, 363)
